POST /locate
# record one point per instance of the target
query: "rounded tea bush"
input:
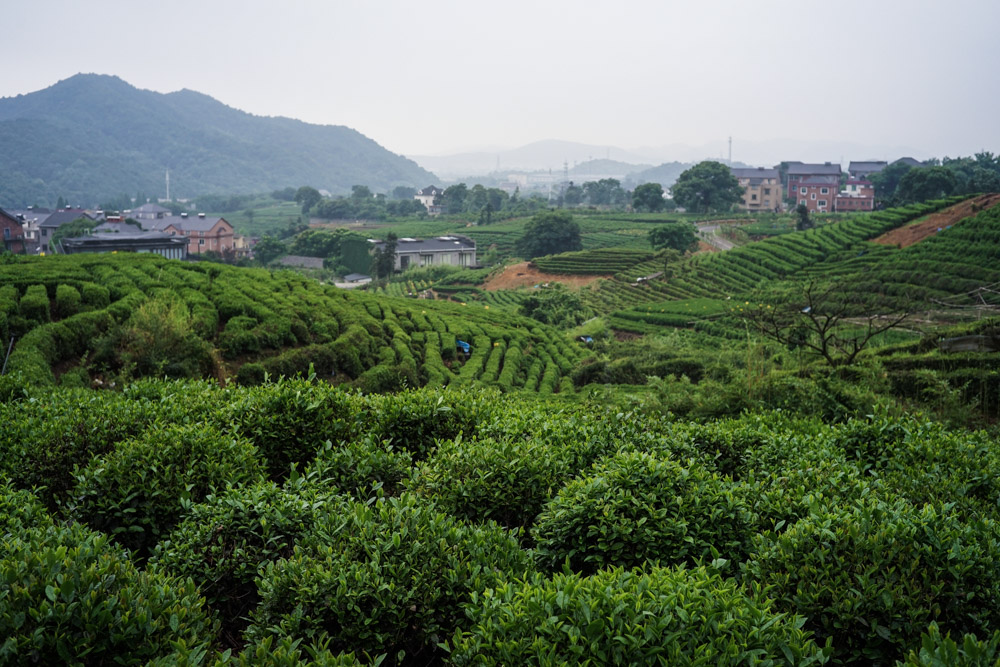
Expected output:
(663, 616)
(937, 650)
(360, 468)
(285, 652)
(873, 575)
(391, 577)
(224, 540)
(634, 507)
(137, 492)
(70, 596)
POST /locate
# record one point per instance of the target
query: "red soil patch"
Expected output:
(907, 235)
(707, 247)
(522, 275)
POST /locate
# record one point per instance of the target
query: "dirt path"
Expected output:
(522, 275)
(907, 235)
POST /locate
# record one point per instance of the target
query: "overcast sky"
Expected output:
(442, 77)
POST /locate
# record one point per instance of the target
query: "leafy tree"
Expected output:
(549, 233)
(707, 186)
(361, 193)
(384, 258)
(925, 183)
(605, 192)
(268, 249)
(887, 180)
(454, 197)
(403, 192)
(679, 236)
(317, 243)
(307, 196)
(78, 227)
(285, 194)
(648, 197)
(834, 323)
(803, 223)
(573, 195)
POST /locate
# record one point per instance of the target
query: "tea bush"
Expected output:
(630, 617)
(69, 596)
(361, 468)
(228, 536)
(505, 480)
(137, 492)
(67, 301)
(289, 421)
(937, 650)
(285, 652)
(871, 576)
(634, 508)
(390, 578)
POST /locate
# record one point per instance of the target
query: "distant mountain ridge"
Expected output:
(95, 136)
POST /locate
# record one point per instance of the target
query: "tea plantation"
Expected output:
(209, 465)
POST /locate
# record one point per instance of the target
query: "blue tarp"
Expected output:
(465, 347)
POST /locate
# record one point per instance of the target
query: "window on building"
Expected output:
(824, 191)
(821, 202)
(753, 197)
(201, 241)
(802, 201)
(6, 232)
(813, 197)
(802, 191)
(767, 191)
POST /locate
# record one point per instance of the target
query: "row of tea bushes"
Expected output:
(456, 526)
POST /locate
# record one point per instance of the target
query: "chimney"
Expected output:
(184, 215)
(201, 215)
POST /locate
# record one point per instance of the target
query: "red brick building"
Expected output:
(204, 233)
(857, 195)
(814, 185)
(12, 232)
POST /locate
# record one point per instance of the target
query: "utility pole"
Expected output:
(730, 151)
(168, 185)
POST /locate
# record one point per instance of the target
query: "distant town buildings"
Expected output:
(203, 233)
(761, 188)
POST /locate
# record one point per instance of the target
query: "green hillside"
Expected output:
(92, 136)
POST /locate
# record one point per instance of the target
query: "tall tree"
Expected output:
(925, 183)
(648, 197)
(403, 192)
(887, 180)
(307, 196)
(707, 186)
(384, 259)
(454, 197)
(547, 234)
(679, 236)
(268, 249)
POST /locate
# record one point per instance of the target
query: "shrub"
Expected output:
(34, 305)
(634, 508)
(67, 301)
(289, 421)
(385, 578)
(137, 492)
(67, 596)
(505, 480)
(871, 576)
(285, 652)
(360, 468)
(621, 617)
(95, 296)
(250, 375)
(13, 387)
(416, 420)
(937, 650)
(226, 538)
(20, 511)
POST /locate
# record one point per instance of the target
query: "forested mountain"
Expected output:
(94, 136)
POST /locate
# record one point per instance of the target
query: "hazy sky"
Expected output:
(441, 77)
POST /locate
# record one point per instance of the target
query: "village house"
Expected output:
(428, 197)
(159, 243)
(761, 188)
(12, 233)
(814, 185)
(861, 171)
(857, 195)
(442, 250)
(204, 233)
(47, 228)
(149, 212)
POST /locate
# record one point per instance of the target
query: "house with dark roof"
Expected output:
(159, 243)
(860, 171)
(47, 228)
(428, 196)
(442, 250)
(204, 233)
(761, 188)
(857, 195)
(150, 212)
(12, 233)
(814, 185)
(910, 161)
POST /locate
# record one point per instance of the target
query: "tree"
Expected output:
(78, 227)
(834, 323)
(307, 196)
(555, 305)
(454, 197)
(403, 192)
(268, 249)
(648, 197)
(679, 236)
(803, 223)
(573, 195)
(707, 186)
(605, 192)
(384, 258)
(923, 183)
(887, 180)
(549, 233)
(361, 193)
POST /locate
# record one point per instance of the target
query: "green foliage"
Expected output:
(385, 578)
(289, 421)
(555, 305)
(138, 492)
(224, 540)
(707, 186)
(361, 468)
(69, 596)
(648, 197)
(268, 249)
(285, 652)
(636, 508)
(679, 236)
(937, 650)
(157, 340)
(67, 301)
(34, 305)
(547, 234)
(621, 617)
(872, 575)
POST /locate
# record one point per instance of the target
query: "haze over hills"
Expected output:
(553, 155)
(94, 136)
